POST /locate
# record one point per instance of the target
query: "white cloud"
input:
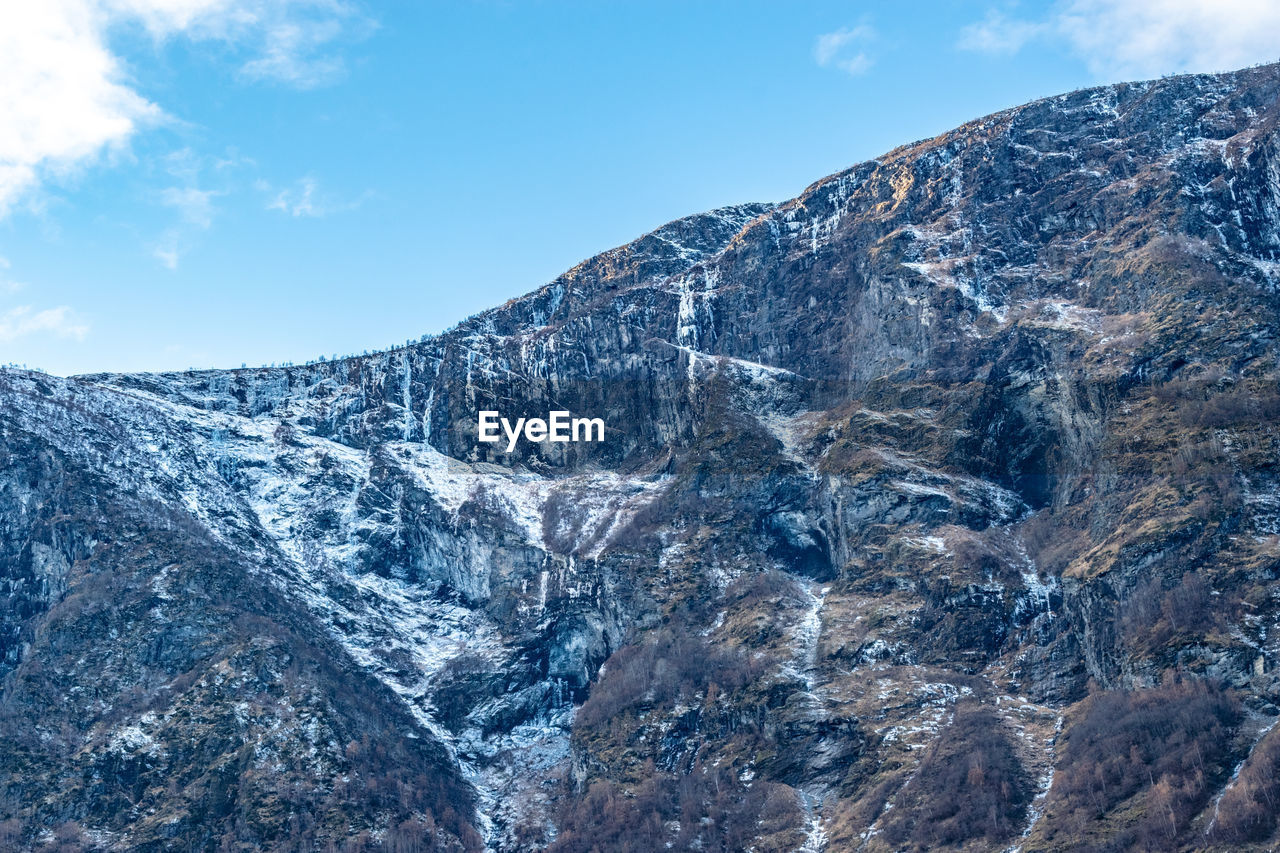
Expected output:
(1143, 38)
(1150, 37)
(24, 320)
(67, 99)
(840, 49)
(61, 93)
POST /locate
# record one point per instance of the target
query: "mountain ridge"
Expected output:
(925, 496)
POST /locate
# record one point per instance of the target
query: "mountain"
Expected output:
(938, 509)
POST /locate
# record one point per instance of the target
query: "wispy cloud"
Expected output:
(194, 205)
(999, 34)
(8, 285)
(1142, 38)
(299, 200)
(305, 199)
(845, 49)
(167, 250)
(67, 99)
(24, 321)
(296, 52)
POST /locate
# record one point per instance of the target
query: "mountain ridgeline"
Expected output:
(938, 509)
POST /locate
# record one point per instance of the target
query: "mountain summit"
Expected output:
(938, 509)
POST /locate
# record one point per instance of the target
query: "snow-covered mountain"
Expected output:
(937, 509)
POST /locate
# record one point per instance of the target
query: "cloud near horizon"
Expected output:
(24, 320)
(1119, 39)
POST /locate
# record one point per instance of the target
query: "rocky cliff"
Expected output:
(937, 509)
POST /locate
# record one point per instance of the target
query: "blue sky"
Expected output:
(211, 182)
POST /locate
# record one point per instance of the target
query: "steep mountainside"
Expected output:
(939, 508)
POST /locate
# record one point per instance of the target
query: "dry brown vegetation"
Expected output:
(1250, 806)
(1162, 750)
(670, 666)
(1154, 616)
(707, 810)
(968, 787)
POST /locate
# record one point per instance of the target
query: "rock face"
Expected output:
(937, 509)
